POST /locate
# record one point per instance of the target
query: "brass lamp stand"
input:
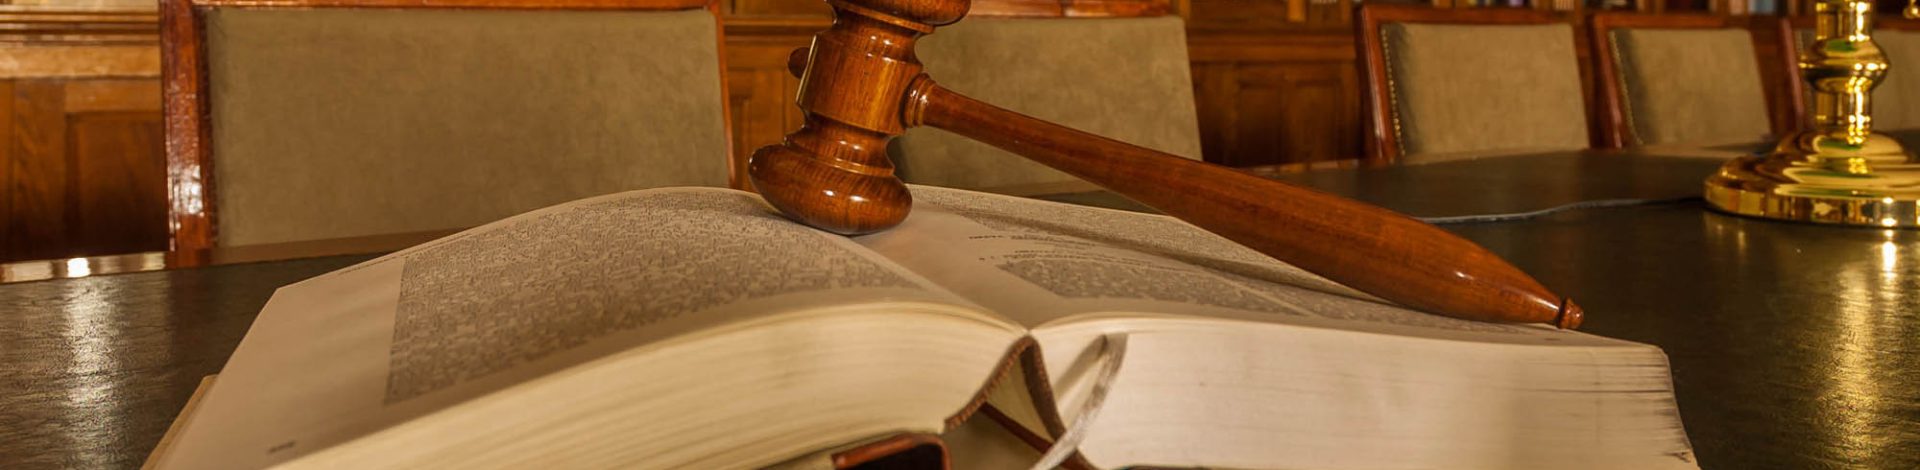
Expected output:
(1837, 171)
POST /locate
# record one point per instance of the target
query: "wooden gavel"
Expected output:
(862, 85)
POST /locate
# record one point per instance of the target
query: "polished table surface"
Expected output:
(1792, 345)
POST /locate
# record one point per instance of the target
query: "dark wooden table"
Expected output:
(1793, 345)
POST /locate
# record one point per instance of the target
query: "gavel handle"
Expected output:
(1366, 247)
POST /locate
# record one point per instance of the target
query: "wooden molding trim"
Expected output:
(78, 26)
(1382, 145)
(75, 61)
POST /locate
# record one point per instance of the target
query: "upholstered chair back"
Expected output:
(344, 122)
(1123, 78)
(1692, 85)
(1461, 90)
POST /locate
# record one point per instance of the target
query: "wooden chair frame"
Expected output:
(1383, 144)
(186, 104)
(1616, 130)
(1790, 60)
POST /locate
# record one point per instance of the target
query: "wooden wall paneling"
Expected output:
(1247, 14)
(115, 138)
(38, 205)
(1267, 15)
(79, 101)
(112, 95)
(119, 182)
(761, 91)
(1276, 99)
(7, 218)
(1214, 87)
(1256, 113)
(1314, 113)
(85, 173)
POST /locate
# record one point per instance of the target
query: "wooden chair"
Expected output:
(1453, 83)
(1896, 102)
(1118, 69)
(315, 119)
(1679, 78)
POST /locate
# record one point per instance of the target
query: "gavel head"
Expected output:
(833, 173)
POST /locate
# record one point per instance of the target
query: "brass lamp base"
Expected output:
(1824, 177)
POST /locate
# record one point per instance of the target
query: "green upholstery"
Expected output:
(1124, 78)
(331, 123)
(1460, 90)
(1896, 101)
(1691, 85)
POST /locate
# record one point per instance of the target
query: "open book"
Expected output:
(696, 328)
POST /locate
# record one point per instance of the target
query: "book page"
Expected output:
(357, 350)
(1241, 361)
(1040, 262)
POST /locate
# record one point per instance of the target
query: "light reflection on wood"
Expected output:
(40, 270)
